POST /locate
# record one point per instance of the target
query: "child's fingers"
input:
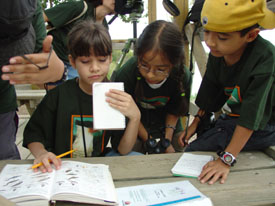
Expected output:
(47, 165)
(56, 162)
(181, 139)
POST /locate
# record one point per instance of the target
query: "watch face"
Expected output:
(228, 158)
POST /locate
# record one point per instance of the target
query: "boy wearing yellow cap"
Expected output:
(239, 80)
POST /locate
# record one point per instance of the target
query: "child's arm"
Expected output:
(42, 155)
(183, 139)
(171, 122)
(216, 169)
(124, 102)
(142, 133)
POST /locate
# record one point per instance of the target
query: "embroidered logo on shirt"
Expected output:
(234, 98)
(91, 136)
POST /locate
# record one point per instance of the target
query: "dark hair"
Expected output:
(246, 30)
(95, 3)
(162, 37)
(88, 37)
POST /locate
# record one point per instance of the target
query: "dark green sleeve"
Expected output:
(128, 74)
(39, 27)
(64, 12)
(211, 95)
(41, 125)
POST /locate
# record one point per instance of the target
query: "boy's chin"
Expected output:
(216, 54)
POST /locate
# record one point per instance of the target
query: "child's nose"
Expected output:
(151, 74)
(94, 67)
(210, 39)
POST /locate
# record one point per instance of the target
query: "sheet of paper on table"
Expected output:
(174, 193)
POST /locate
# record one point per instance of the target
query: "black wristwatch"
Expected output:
(227, 158)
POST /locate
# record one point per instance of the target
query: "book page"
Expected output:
(106, 117)
(173, 193)
(18, 180)
(91, 180)
(190, 164)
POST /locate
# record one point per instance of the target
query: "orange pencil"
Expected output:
(59, 156)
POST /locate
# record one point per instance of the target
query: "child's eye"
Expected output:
(222, 38)
(84, 61)
(102, 59)
(144, 65)
(161, 70)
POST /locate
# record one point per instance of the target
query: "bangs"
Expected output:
(90, 41)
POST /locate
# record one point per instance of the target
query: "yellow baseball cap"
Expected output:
(235, 15)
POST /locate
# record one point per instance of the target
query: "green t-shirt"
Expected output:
(155, 103)
(59, 16)
(246, 89)
(39, 27)
(56, 123)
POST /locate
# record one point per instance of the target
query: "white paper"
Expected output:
(173, 193)
(74, 181)
(190, 164)
(106, 117)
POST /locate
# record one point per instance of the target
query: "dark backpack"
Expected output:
(15, 18)
(194, 15)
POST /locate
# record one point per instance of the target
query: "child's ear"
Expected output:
(72, 60)
(252, 34)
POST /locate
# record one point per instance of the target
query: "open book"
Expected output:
(190, 165)
(106, 117)
(74, 181)
(174, 193)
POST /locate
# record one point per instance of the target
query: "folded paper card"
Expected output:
(106, 117)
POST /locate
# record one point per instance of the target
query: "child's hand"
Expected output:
(183, 138)
(47, 158)
(123, 102)
(213, 171)
(170, 149)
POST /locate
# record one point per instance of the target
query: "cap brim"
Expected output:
(269, 21)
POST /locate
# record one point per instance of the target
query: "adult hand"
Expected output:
(47, 158)
(22, 71)
(213, 171)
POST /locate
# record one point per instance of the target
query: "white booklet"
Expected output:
(74, 181)
(106, 117)
(190, 165)
(174, 193)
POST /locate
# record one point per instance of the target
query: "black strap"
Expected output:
(82, 123)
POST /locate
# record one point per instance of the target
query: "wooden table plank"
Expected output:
(241, 188)
(159, 166)
(251, 181)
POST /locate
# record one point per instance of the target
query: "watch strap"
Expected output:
(222, 155)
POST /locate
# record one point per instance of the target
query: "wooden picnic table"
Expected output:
(250, 182)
